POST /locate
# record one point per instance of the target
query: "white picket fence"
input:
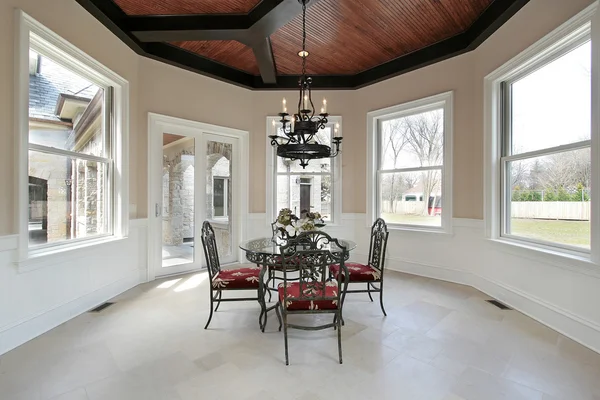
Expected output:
(573, 210)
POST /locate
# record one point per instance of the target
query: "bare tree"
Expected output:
(425, 136)
(394, 140)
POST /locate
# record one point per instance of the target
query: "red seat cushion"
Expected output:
(357, 272)
(237, 278)
(310, 289)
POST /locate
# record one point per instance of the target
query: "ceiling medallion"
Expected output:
(299, 141)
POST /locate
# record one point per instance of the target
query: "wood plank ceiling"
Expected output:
(254, 43)
(178, 7)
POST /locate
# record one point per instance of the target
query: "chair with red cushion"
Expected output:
(371, 273)
(242, 278)
(311, 292)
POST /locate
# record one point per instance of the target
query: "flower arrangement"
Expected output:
(289, 224)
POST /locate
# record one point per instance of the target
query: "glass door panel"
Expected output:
(178, 197)
(219, 158)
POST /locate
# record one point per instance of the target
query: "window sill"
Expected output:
(580, 263)
(419, 229)
(42, 258)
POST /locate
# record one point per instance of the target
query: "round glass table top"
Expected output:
(270, 246)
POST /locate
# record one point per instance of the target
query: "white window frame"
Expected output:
(446, 102)
(30, 32)
(336, 173)
(569, 35)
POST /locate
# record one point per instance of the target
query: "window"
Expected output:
(410, 156)
(72, 143)
(316, 188)
(220, 197)
(545, 155)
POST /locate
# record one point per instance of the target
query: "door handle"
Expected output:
(157, 210)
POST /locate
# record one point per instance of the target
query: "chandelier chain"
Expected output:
(303, 40)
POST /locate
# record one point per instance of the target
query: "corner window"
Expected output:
(411, 156)
(73, 147)
(545, 160)
(317, 188)
(70, 154)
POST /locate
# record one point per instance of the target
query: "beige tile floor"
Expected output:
(439, 341)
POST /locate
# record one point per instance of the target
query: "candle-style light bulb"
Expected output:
(305, 105)
(324, 109)
(336, 130)
(283, 105)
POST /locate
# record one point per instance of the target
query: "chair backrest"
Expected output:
(274, 229)
(209, 243)
(378, 244)
(310, 254)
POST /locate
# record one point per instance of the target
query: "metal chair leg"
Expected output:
(339, 332)
(211, 310)
(381, 298)
(219, 300)
(369, 290)
(278, 315)
(285, 338)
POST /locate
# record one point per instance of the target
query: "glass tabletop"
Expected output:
(270, 246)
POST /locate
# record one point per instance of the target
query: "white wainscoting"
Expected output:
(561, 295)
(33, 302)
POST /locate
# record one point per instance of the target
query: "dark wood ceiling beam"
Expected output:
(168, 28)
(266, 63)
(491, 20)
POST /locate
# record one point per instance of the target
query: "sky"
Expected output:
(552, 106)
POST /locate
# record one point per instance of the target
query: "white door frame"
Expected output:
(159, 124)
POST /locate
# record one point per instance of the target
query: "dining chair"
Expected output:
(312, 292)
(242, 278)
(371, 273)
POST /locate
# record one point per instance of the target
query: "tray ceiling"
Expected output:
(254, 43)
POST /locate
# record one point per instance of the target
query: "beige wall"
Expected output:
(160, 88)
(69, 20)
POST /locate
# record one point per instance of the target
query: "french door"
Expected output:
(196, 177)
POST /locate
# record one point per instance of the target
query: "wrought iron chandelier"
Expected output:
(300, 141)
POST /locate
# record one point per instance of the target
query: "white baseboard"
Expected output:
(23, 331)
(573, 326)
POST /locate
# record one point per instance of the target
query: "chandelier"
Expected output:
(299, 140)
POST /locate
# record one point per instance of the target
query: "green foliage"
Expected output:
(560, 194)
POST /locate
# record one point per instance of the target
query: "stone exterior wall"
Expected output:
(178, 195)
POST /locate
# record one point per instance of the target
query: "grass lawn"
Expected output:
(574, 233)
(412, 219)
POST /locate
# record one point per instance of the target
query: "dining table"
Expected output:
(266, 253)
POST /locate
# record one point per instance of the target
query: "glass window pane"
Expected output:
(302, 193)
(413, 198)
(65, 110)
(550, 198)
(552, 106)
(67, 198)
(321, 165)
(413, 141)
(219, 197)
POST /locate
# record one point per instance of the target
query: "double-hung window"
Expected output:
(410, 156)
(72, 146)
(315, 188)
(545, 148)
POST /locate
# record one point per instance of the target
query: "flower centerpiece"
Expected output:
(288, 224)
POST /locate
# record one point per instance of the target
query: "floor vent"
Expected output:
(499, 305)
(102, 307)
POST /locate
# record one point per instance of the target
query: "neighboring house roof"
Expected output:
(46, 86)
